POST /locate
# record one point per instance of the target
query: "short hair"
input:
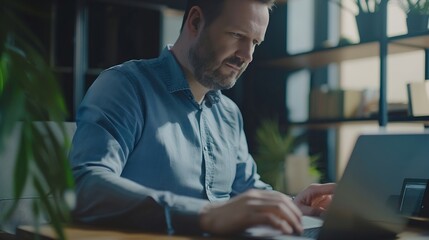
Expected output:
(213, 8)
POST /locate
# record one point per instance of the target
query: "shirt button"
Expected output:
(205, 149)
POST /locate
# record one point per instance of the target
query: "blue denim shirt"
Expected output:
(145, 147)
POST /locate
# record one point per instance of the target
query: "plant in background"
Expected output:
(417, 12)
(271, 152)
(420, 7)
(363, 6)
(368, 6)
(273, 148)
(29, 92)
(367, 18)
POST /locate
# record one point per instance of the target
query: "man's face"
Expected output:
(224, 49)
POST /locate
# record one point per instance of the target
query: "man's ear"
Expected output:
(195, 20)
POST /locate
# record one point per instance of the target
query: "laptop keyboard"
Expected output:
(311, 232)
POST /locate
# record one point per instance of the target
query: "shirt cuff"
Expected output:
(183, 221)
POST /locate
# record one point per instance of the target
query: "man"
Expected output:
(159, 148)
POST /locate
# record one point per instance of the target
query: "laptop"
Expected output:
(366, 201)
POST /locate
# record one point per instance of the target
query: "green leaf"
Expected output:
(29, 92)
(46, 204)
(23, 157)
(3, 71)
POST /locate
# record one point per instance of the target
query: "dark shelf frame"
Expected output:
(382, 48)
(322, 123)
(322, 57)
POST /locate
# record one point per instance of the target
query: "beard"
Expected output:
(207, 70)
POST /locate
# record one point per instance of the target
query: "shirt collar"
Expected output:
(213, 96)
(176, 81)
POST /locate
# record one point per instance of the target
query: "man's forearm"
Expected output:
(107, 199)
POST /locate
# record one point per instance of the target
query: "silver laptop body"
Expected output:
(365, 205)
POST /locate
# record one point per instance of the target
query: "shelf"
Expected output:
(334, 121)
(322, 57)
(420, 40)
(380, 49)
(424, 119)
(323, 123)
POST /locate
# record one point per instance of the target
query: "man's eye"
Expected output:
(235, 35)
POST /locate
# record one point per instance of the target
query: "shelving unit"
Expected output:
(412, 40)
(326, 123)
(382, 48)
(111, 32)
(274, 65)
(322, 57)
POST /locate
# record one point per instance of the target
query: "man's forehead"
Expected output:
(246, 15)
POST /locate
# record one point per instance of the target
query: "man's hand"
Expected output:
(315, 199)
(254, 207)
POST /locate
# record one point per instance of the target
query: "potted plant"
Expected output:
(367, 18)
(273, 152)
(417, 12)
(29, 92)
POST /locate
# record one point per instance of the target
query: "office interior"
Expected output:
(81, 38)
(292, 70)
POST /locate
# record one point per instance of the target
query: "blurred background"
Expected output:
(314, 75)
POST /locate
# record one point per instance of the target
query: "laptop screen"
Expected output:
(366, 199)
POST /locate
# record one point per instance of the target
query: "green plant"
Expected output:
(363, 6)
(368, 5)
(272, 150)
(420, 7)
(29, 92)
(273, 147)
(368, 17)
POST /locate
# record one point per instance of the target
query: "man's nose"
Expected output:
(245, 51)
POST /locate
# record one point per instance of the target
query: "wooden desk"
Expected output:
(88, 233)
(414, 234)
